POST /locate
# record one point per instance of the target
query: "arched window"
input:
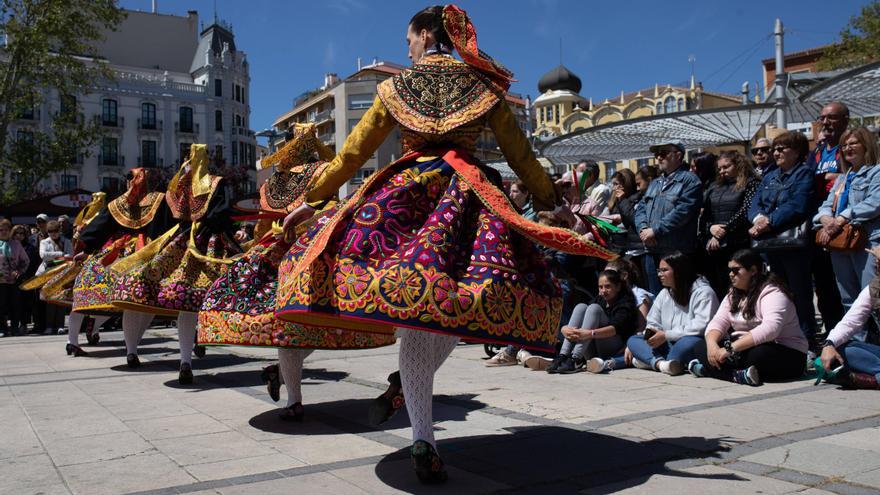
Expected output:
(659, 109)
(550, 114)
(681, 104)
(669, 105)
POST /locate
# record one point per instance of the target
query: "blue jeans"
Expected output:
(794, 267)
(863, 357)
(853, 271)
(650, 262)
(682, 350)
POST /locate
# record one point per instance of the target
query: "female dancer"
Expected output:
(171, 275)
(239, 308)
(430, 245)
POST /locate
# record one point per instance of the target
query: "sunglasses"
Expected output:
(762, 149)
(662, 153)
(780, 149)
(734, 269)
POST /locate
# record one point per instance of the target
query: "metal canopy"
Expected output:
(858, 88)
(630, 139)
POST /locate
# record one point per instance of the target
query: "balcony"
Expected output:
(328, 138)
(151, 162)
(149, 125)
(101, 121)
(111, 161)
(243, 131)
(325, 116)
(193, 129)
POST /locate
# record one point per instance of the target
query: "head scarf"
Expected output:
(198, 167)
(464, 37)
(138, 186)
(298, 150)
(98, 202)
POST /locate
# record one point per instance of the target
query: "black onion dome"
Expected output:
(559, 78)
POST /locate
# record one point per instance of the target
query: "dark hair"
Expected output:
(5, 223)
(431, 20)
(614, 277)
(627, 180)
(706, 165)
(647, 173)
(521, 186)
(684, 274)
(744, 170)
(749, 259)
(590, 167)
(794, 140)
(632, 274)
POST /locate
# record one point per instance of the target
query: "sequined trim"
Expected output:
(135, 216)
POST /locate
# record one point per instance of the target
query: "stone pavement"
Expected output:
(91, 426)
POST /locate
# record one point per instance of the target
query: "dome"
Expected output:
(559, 78)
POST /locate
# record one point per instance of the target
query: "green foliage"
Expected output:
(50, 49)
(859, 41)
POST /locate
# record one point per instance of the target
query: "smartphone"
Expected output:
(649, 332)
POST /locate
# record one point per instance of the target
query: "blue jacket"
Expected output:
(863, 205)
(671, 207)
(786, 198)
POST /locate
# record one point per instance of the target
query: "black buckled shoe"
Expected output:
(199, 351)
(76, 351)
(427, 463)
(132, 361)
(271, 376)
(386, 405)
(295, 412)
(186, 374)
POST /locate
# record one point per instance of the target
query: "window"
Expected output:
(218, 154)
(234, 153)
(669, 105)
(148, 153)
(186, 119)
(108, 113)
(558, 112)
(237, 92)
(550, 113)
(218, 87)
(148, 116)
(659, 109)
(218, 120)
(681, 104)
(111, 185)
(610, 169)
(68, 182)
(24, 136)
(238, 120)
(360, 102)
(68, 108)
(242, 154)
(352, 123)
(27, 113)
(109, 151)
(184, 151)
(361, 175)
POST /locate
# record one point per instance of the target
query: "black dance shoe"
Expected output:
(272, 378)
(76, 351)
(386, 405)
(132, 361)
(199, 351)
(427, 463)
(186, 374)
(295, 412)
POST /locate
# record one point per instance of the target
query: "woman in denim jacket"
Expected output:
(785, 200)
(855, 200)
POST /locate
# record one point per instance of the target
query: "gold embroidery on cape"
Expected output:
(135, 216)
(186, 207)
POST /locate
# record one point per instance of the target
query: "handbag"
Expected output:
(851, 237)
(793, 238)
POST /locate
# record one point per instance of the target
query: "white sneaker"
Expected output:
(537, 363)
(599, 365)
(501, 359)
(522, 356)
(642, 366)
(671, 368)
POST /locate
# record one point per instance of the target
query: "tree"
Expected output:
(50, 46)
(859, 41)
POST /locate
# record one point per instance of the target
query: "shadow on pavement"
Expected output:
(552, 459)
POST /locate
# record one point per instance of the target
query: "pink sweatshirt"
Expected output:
(775, 320)
(854, 319)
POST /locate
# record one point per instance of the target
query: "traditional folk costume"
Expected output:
(430, 245)
(171, 274)
(239, 309)
(125, 226)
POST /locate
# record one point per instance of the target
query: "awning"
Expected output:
(858, 88)
(630, 139)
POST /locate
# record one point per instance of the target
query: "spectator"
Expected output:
(13, 263)
(667, 214)
(784, 201)
(41, 233)
(677, 318)
(755, 335)
(630, 272)
(585, 195)
(522, 200)
(29, 297)
(763, 155)
(705, 166)
(855, 200)
(826, 162)
(54, 249)
(725, 220)
(862, 358)
(622, 206)
(598, 331)
(644, 176)
(66, 227)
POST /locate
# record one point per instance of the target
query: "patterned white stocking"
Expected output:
(73, 325)
(134, 324)
(186, 334)
(290, 364)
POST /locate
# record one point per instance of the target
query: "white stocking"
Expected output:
(421, 354)
(290, 364)
(73, 327)
(99, 320)
(134, 324)
(186, 332)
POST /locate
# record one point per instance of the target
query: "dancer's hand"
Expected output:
(299, 215)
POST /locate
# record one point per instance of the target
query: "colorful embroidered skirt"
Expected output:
(58, 289)
(93, 289)
(428, 244)
(174, 279)
(239, 309)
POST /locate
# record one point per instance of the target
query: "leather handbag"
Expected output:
(851, 237)
(787, 240)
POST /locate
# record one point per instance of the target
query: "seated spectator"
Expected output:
(598, 330)
(755, 335)
(861, 358)
(763, 155)
(677, 318)
(629, 272)
(13, 263)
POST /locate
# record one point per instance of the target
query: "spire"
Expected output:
(621, 97)
(656, 90)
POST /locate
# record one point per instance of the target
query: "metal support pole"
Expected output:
(781, 79)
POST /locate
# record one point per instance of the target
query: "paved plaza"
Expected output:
(92, 426)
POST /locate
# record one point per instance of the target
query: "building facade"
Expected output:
(169, 91)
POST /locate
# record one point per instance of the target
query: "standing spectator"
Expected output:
(755, 335)
(622, 206)
(41, 233)
(585, 195)
(705, 166)
(785, 200)
(13, 263)
(53, 249)
(826, 162)
(522, 200)
(725, 219)
(763, 155)
(855, 200)
(677, 319)
(28, 297)
(667, 214)
(66, 227)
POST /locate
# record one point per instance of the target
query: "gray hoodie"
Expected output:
(679, 321)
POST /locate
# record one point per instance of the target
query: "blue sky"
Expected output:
(613, 46)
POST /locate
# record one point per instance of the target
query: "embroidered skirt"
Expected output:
(239, 309)
(428, 244)
(93, 289)
(58, 290)
(174, 279)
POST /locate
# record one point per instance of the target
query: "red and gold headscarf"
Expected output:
(464, 37)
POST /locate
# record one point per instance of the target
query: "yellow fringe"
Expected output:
(41, 279)
(142, 256)
(193, 250)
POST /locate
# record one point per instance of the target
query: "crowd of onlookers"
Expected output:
(722, 258)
